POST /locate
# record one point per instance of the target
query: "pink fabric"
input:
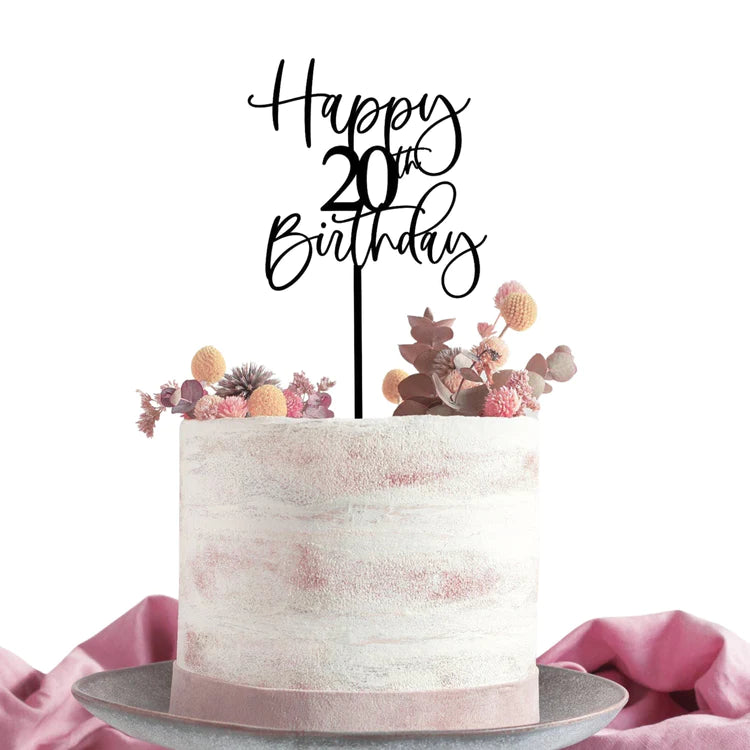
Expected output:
(689, 681)
(487, 707)
(38, 712)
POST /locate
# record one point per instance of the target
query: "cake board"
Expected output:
(573, 706)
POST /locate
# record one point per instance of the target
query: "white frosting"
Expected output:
(375, 554)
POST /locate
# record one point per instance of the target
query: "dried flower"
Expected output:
(502, 402)
(208, 364)
(267, 401)
(243, 380)
(509, 287)
(519, 382)
(325, 384)
(301, 384)
(294, 403)
(443, 361)
(390, 385)
(485, 330)
(233, 406)
(207, 407)
(317, 406)
(151, 410)
(493, 354)
(453, 381)
(519, 311)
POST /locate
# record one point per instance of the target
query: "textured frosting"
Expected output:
(393, 554)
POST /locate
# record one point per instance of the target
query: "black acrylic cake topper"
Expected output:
(419, 239)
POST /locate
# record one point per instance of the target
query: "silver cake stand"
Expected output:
(573, 706)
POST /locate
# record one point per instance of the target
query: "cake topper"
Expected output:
(350, 229)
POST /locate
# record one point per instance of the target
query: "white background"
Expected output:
(607, 157)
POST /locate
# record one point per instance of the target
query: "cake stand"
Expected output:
(573, 706)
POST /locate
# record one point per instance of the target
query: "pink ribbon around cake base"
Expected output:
(487, 707)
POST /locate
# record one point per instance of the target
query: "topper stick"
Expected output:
(357, 341)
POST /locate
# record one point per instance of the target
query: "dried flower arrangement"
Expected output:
(249, 390)
(472, 382)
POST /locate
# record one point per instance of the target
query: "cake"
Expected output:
(368, 575)
(362, 575)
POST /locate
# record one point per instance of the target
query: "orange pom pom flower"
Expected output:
(267, 401)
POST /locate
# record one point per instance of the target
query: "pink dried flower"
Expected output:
(502, 402)
(519, 382)
(294, 403)
(151, 410)
(485, 329)
(326, 384)
(232, 406)
(453, 380)
(493, 353)
(509, 287)
(207, 407)
(301, 384)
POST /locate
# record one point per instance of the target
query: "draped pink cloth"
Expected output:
(688, 679)
(38, 712)
(689, 682)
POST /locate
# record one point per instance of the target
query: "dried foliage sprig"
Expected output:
(470, 382)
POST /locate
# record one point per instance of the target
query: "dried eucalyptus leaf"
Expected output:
(561, 366)
(425, 361)
(409, 409)
(428, 313)
(563, 348)
(441, 334)
(537, 383)
(415, 386)
(443, 392)
(418, 320)
(427, 401)
(191, 391)
(424, 334)
(463, 359)
(471, 401)
(441, 410)
(547, 388)
(410, 352)
(448, 322)
(500, 378)
(470, 374)
(538, 364)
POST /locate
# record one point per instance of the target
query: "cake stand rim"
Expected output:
(84, 698)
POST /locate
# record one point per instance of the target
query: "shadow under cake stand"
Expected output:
(573, 706)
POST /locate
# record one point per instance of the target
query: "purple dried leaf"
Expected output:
(425, 361)
(470, 374)
(500, 378)
(409, 409)
(441, 410)
(416, 385)
(165, 396)
(411, 351)
(441, 334)
(561, 366)
(443, 392)
(464, 359)
(538, 364)
(471, 401)
(427, 401)
(537, 383)
(191, 391)
(423, 334)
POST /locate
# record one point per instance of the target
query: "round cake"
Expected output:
(358, 575)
